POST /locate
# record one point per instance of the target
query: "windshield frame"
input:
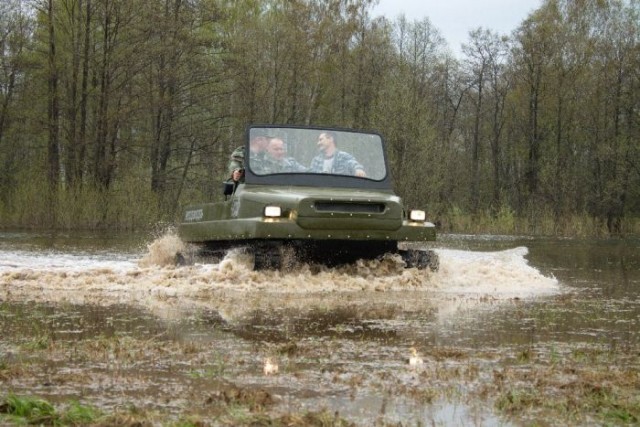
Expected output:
(316, 179)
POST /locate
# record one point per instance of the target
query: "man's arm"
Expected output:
(295, 166)
(316, 164)
(236, 163)
(353, 166)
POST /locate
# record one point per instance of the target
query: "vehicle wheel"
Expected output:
(420, 259)
(180, 260)
(434, 260)
(267, 258)
(288, 258)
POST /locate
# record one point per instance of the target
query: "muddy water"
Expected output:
(119, 325)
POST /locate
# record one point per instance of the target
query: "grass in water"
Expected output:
(29, 409)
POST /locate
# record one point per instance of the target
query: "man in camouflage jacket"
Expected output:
(236, 164)
(276, 161)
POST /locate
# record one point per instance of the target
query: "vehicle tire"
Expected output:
(180, 260)
(267, 258)
(434, 260)
(420, 259)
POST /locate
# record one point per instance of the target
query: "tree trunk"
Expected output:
(72, 167)
(53, 156)
(4, 110)
(475, 149)
(82, 135)
(534, 137)
(100, 153)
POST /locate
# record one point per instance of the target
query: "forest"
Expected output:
(114, 114)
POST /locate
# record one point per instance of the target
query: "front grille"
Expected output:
(349, 207)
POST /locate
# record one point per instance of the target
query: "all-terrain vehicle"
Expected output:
(324, 195)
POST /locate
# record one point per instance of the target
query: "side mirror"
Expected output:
(228, 187)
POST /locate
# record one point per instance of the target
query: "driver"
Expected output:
(333, 161)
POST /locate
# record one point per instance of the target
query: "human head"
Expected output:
(258, 144)
(327, 142)
(275, 148)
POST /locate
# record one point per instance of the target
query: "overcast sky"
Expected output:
(455, 18)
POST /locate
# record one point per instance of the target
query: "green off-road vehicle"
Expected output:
(323, 195)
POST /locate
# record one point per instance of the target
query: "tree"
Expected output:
(531, 56)
(53, 115)
(16, 37)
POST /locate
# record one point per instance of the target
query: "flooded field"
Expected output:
(510, 331)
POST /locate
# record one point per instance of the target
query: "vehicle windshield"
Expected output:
(275, 150)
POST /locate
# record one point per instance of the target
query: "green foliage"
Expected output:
(33, 410)
(127, 205)
(506, 221)
(41, 342)
(78, 414)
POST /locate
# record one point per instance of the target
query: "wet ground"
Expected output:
(510, 331)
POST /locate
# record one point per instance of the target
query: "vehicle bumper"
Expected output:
(281, 228)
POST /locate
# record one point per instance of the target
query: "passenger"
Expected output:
(276, 161)
(257, 147)
(333, 161)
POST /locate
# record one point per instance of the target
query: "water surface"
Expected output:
(122, 325)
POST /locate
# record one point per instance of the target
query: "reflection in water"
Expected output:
(341, 337)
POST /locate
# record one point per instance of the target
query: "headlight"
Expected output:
(417, 215)
(272, 211)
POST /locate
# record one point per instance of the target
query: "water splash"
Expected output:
(163, 251)
(500, 274)
(233, 288)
